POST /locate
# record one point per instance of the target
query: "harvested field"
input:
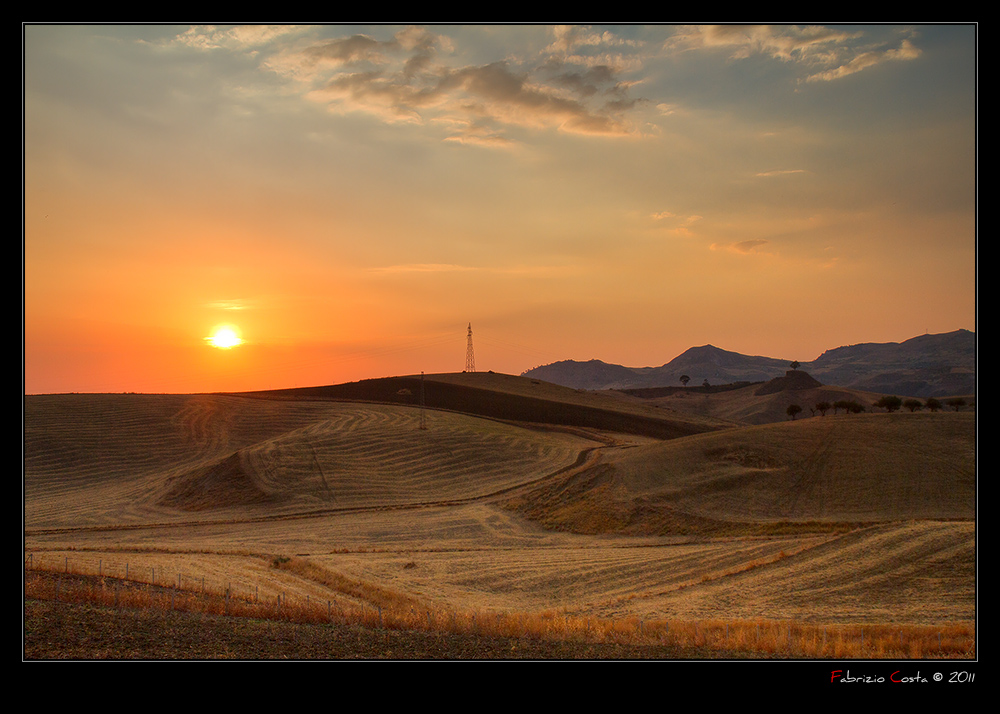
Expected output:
(307, 496)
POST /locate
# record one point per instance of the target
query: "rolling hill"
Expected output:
(755, 403)
(479, 492)
(791, 476)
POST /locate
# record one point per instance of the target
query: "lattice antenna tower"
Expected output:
(470, 356)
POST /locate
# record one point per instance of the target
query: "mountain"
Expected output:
(591, 375)
(925, 366)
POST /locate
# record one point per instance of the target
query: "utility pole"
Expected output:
(423, 421)
(470, 356)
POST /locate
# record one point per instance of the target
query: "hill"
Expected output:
(924, 366)
(125, 458)
(503, 396)
(813, 473)
(755, 403)
(131, 459)
(460, 495)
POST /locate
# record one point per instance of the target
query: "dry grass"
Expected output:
(827, 537)
(816, 475)
(388, 610)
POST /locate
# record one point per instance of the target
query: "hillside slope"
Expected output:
(762, 403)
(812, 473)
(504, 396)
(120, 459)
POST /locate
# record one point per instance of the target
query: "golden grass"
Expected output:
(815, 475)
(744, 522)
(372, 606)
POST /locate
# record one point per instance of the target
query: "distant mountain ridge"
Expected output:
(926, 366)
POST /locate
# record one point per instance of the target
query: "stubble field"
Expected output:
(586, 515)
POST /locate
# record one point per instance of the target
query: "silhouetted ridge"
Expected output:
(925, 366)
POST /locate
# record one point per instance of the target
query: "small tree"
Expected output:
(933, 404)
(685, 379)
(956, 403)
(823, 407)
(792, 410)
(794, 364)
(913, 405)
(889, 403)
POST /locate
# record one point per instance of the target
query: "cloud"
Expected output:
(747, 246)
(242, 37)
(744, 247)
(499, 92)
(680, 225)
(543, 271)
(229, 305)
(780, 172)
(347, 51)
(583, 81)
(786, 43)
(413, 76)
(863, 61)
(474, 133)
(421, 268)
(568, 39)
(495, 95)
(829, 53)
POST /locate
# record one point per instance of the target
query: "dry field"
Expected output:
(583, 512)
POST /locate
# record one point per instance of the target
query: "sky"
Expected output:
(350, 199)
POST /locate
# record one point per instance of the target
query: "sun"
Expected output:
(225, 337)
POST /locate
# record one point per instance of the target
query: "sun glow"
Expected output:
(225, 337)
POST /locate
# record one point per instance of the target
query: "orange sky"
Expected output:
(352, 197)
